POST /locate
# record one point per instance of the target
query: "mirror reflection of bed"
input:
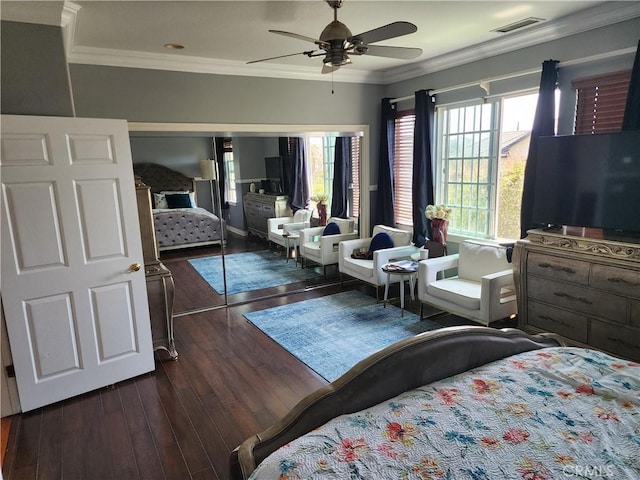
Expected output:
(192, 291)
(180, 224)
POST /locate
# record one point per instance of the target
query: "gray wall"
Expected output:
(161, 96)
(594, 42)
(35, 78)
(249, 154)
(157, 96)
(32, 52)
(179, 153)
(183, 153)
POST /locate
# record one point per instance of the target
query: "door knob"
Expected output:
(134, 267)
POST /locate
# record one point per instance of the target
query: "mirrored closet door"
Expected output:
(210, 275)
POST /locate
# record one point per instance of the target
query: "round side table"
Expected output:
(291, 241)
(407, 270)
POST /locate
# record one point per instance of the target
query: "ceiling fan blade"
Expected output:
(329, 68)
(404, 53)
(299, 37)
(308, 53)
(393, 30)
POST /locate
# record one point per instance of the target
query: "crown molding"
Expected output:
(598, 16)
(183, 63)
(160, 61)
(68, 21)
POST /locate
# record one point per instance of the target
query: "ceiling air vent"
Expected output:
(519, 24)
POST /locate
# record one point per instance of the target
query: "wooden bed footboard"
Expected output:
(406, 365)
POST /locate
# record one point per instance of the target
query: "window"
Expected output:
(484, 178)
(600, 102)
(230, 192)
(467, 152)
(515, 135)
(403, 168)
(482, 152)
(321, 156)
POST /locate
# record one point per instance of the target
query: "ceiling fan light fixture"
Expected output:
(336, 59)
(337, 42)
(335, 31)
(336, 54)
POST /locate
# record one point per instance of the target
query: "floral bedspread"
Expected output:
(554, 413)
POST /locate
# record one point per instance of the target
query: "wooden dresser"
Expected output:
(587, 290)
(160, 287)
(258, 207)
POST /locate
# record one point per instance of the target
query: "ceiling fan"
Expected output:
(336, 42)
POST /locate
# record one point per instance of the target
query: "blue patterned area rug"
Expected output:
(251, 271)
(331, 334)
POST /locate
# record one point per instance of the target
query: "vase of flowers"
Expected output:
(321, 204)
(438, 215)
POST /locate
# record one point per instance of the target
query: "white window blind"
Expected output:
(355, 177)
(403, 168)
(231, 194)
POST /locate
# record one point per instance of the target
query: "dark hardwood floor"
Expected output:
(182, 420)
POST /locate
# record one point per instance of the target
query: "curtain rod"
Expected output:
(484, 83)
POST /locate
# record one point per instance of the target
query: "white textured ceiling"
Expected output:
(227, 34)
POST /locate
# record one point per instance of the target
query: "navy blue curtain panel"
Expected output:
(631, 119)
(543, 126)
(422, 187)
(341, 171)
(283, 149)
(219, 142)
(299, 196)
(385, 199)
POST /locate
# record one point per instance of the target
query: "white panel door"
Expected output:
(75, 301)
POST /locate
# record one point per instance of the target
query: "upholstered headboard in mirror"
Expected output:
(160, 178)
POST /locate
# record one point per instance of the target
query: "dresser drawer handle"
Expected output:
(622, 280)
(618, 340)
(553, 267)
(551, 319)
(571, 297)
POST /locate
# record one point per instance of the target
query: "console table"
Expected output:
(587, 290)
(258, 207)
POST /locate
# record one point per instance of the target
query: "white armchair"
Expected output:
(483, 290)
(370, 271)
(323, 249)
(301, 219)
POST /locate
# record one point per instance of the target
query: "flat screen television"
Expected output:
(589, 181)
(274, 172)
